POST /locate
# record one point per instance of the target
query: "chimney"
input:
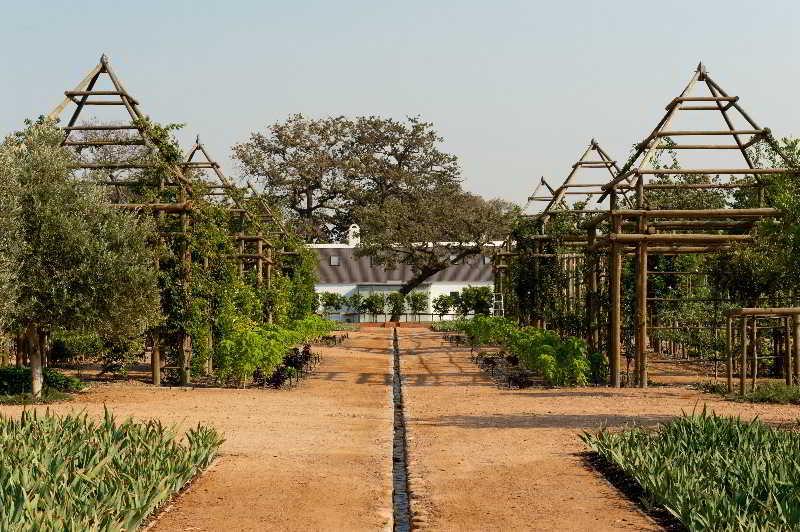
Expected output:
(353, 235)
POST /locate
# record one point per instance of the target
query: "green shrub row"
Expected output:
(73, 473)
(560, 362)
(14, 381)
(772, 392)
(264, 347)
(711, 472)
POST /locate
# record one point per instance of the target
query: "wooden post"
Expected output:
(590, 272)
(641, 306)
(210, 346)
(260, 263)
(615, 318)
(269, 266)
(729, 330)
(155, 361)
(241, 259)
(787, 352)
(743, 369)
(186, 359)
(754, 347)
(185, 347)
(796, 348)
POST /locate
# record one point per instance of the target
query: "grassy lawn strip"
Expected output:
(74, 473)
(711, 472)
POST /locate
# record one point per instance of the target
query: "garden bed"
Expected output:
(74, 473)
(711, 472)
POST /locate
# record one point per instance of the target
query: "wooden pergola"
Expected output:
(117, 153)
(632, 223)
(593, 163)
(647, 230)
(742, 331)
(254, 249)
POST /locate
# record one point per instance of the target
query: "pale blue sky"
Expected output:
(516, 88)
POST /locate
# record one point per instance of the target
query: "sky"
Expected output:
(516, 88)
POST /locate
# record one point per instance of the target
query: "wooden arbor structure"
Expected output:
(645, 228)
(559, 239)
(254, 249)
(124, 155)
(144, 174)
(742, 329)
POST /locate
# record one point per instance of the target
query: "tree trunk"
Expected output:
(37, 376)
(20, 341)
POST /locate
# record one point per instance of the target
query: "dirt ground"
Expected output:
(486, 458)
(317, 457)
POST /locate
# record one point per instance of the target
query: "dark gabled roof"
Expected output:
(352, 270)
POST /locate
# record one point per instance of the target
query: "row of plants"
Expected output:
(711, 472)
(79, 275)
(559, 361)
(15, 381)
(75, 473)
(469, 300)
(376, 303)
(766, 392)
(263, 349)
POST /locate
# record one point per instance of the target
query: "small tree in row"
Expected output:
(71, 261)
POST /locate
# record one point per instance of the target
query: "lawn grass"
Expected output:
(711, 472)
(74, 473)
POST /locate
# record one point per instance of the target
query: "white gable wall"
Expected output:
(434, 290)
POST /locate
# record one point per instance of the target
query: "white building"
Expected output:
(340, 271)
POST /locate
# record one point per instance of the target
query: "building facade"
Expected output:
(340, 271)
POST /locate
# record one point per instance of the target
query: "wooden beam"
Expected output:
(677, 238)
(160, 207)
(699, 214)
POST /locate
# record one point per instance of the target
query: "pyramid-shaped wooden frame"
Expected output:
(84, 95)
(677, 231)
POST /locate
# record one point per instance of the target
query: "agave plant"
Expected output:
(74, 473)
(711, 472)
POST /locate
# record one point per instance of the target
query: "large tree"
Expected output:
(324, 171)
(432, 231)
(389, 159)
(299, 163)
(78, 263)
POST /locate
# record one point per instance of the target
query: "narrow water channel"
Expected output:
(400, 500)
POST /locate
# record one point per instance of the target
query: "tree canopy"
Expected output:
(325, 171)
(431, 231)
(75, 262)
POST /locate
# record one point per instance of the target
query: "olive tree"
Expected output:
(76, 263)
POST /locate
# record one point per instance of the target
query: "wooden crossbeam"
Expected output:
(160, 207)
(121, 142)
(700, 214)
(687, 133)
(677, 237)
(701, 171)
